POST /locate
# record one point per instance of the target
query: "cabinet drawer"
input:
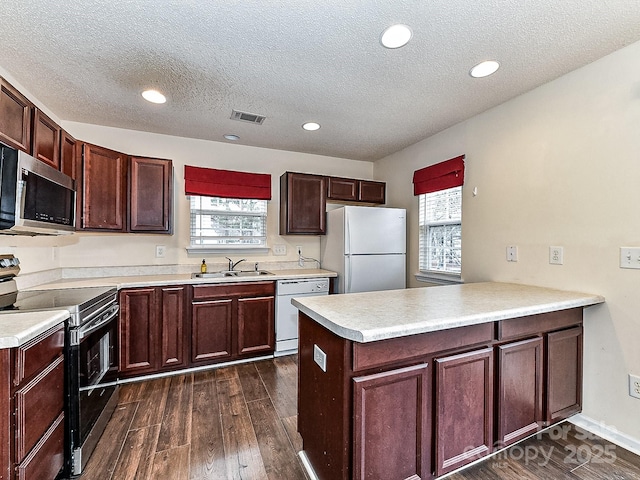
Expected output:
(46, 459)
(38, 404)
(35, 355)
(253, 289)
(538, 324)
(377, 354)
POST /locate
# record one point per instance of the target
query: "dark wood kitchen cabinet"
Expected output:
(15, 117)
(68, 155)
(487, 385)
(372, 192)
(152, 329)
(303, 204)
(32, 389)
(232, 321)
(102, 190)
(46, 139)
(352, 190)
(391, 423)
(150, 195)
(463, 407)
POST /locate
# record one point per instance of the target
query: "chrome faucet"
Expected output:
(233, 264)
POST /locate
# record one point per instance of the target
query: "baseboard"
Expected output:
(608, 432)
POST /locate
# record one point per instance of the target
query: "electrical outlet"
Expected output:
(280, 249)
(629, 257)
(512, 253)
(160, 251)
(634, 386)
(320, 357)
(556, 255)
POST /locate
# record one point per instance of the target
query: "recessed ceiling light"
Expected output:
(484, 69)
(154, 96)
(396, 36)
(311, 126)
(232, 137)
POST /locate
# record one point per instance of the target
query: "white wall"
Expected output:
(558, 166)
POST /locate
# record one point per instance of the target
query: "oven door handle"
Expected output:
(95, 324)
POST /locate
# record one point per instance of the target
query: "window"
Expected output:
(228, 222)
(440, 231)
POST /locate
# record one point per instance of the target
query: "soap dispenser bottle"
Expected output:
(203, 267)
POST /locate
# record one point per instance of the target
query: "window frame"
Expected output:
(436, 276)
(228, 247)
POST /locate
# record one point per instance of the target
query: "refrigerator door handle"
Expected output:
(347, 287)
(347, 233)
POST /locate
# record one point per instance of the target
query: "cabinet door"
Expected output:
(564, 374)
(519, 402)
(103, 189)
(46, 139)
(138, 331)
(68, 154)
(150, 195)
(371, 192)
(303, 204)
(211, 332)
(463, 409)
(256, 325)
(391, 425)
(342, 189)
(172, 321)
(15, 118)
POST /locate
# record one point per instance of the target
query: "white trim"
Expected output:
(608, 432)
(226, 249)
(439, 278)
(307, 465)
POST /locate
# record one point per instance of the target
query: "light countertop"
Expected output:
(178, 279)
(18, 328)
(371, 316)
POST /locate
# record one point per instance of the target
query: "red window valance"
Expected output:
(211, 182)
(443, 175)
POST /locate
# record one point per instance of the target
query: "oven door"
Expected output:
(92, 380)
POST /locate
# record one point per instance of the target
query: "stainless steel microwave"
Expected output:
(35, 199)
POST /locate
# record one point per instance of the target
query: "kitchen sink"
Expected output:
(232, 273)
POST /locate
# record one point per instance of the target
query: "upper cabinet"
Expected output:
(102, 192)
(15, 117)
(68, 154)
(46, 139)
(124, 194)
(303, 202)
(150, 195)
(304, 197)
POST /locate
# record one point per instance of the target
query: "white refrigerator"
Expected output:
(366, 246)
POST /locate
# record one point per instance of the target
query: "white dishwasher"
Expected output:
(287, 314)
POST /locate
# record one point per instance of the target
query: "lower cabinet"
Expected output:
(463, 409)
(159, 332)
(32, 395)
(151, 329)
(230, 321)
(391, 424)
(421, 406)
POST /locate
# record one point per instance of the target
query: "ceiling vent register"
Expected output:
(247, 117)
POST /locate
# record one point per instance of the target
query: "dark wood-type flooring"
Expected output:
(239, 422)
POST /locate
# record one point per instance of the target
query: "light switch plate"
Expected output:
(280, 249)
(512, 253)
(320, 357)
(629, 257)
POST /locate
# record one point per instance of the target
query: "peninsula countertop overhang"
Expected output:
(371, 316)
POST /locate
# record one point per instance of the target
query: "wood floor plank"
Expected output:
(291, 427)
(152, 400)
(172, 464)
(252, 385)
(104, 459)
(176, 421)
(280, 379)
(242, 454)
(136, 459)
(207, 447)
(278, 456)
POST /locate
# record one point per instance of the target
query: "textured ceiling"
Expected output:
(299, 60)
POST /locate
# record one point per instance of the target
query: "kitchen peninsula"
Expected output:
(413, 384)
